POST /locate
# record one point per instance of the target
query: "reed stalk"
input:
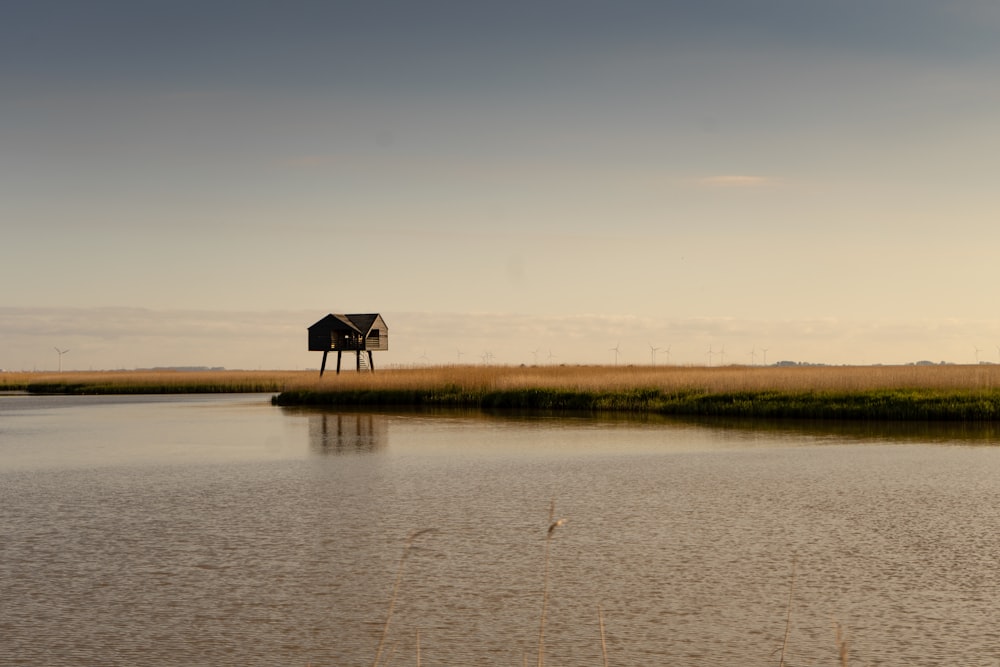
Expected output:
(604, 645)
(553, 524)
(788, 615)
(842, 645)
(395, 589)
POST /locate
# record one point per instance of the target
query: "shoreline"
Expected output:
(881, 405)
(902, 393)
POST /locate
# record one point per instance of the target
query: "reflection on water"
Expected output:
(945, 432)
(347, 433)
(226, 532)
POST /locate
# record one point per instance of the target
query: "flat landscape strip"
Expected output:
(149, 382)
(940, 392)
(930, 405)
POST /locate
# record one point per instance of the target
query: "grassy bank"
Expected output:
(961, 393)
(958, 393)
(880, 404)
(151, 382)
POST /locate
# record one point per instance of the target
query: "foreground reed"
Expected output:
(553, 524)
(395, 593)
(840, 636)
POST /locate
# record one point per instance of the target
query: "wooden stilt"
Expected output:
(371, 362)
(339, 352)
(323, 365)
(358, 361)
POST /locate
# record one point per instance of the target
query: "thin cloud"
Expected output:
(306, 161)
(140, 338)
(735, 181)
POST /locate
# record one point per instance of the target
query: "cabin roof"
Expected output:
(359, 322)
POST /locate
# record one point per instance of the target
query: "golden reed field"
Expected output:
(575, 378)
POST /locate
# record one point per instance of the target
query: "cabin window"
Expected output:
(373, 336)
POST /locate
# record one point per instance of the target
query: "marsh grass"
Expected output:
(664, 378)
(967, 393)
(956, 393)
(151, 382)
(570, 379)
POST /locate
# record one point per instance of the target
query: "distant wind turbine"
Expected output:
(652, 355)
(764, 350)
(722, 355)
(667, 351)
(710, 354)
(753, 355)
(977, 354)
(535, 354)
(551, 356)
(60, 353)
(616, 351)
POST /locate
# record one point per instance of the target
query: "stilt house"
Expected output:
(350, 333)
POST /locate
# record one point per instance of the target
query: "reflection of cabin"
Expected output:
(351, 333)
(348, 434)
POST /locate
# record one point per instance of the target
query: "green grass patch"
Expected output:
(157, 382)
(80, 388)
(913, 404)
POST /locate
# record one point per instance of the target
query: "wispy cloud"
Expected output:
(587, 338)
(735, 181)
(306, 161)
(135, 337)
(138, 337)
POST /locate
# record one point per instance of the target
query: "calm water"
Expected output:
(224, 531)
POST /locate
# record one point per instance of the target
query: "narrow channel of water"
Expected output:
(223, 531)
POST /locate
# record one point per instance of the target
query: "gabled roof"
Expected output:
(361, 323)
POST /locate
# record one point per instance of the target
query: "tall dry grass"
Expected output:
(666, 378)
(153, 381)
(499, 378)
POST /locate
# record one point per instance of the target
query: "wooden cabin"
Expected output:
(351, 333)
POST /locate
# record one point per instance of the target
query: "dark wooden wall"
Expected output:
(325, 338)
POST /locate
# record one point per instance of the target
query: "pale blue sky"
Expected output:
(197, 182)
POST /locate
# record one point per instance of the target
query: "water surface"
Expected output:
(224, 531)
